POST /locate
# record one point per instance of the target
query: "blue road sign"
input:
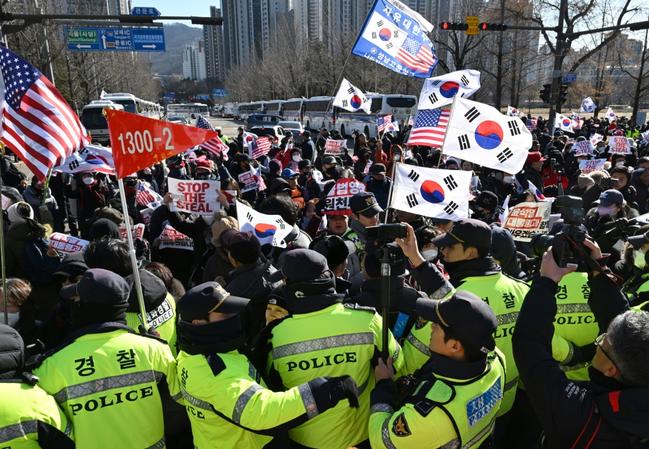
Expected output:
(144, 11)
(569, 78)
(219, 93)
(114, 38)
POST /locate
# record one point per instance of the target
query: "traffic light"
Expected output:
(453, 26)
(563, 93)
(492, 26)
(545, 93)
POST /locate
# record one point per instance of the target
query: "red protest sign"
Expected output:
(139, 142)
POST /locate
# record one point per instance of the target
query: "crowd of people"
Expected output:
(492, 342)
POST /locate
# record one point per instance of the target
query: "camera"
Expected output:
(386, 233)
(568, 244)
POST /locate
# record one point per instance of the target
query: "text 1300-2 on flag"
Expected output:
(480, 134)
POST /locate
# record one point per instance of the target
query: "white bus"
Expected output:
(135, 105)
(317, 113)
(245, 109)
(274, 107)
(292, 110)
(92, 117)
(186, 109)
(400, 106)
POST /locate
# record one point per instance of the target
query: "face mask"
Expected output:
(296, 158)
(639, 259)
(13, 317)
(429, 254)
(88, 180)
(619, 164)
(606, 211)
(507, 179)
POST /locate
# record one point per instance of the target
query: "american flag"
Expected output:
(215, 145)
(145, 195)
(383, 122)
(38, 125)
(416, 56)
(259, 147)
(429, 128)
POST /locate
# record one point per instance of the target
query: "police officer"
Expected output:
(323, 337)
(634, 268)
(29, 417)
(160, 308)
(454, 398)
(104, 376)
(226, 400)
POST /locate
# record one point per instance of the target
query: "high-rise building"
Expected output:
(238, 41)
(194, 61)
(309, 19)
(213, 38)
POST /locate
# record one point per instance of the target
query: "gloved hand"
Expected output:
(328, 391)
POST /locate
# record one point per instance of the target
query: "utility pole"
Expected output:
(499, 68)
(559, 55)
(638, 86)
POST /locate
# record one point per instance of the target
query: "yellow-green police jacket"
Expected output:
(162, 319)
(335, 341)
(30, 418)
(230, 407)
(574, 322)
(442, 412)
(107, 384)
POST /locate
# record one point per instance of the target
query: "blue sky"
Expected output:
(180, 7)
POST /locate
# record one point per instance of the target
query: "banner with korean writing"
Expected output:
(619, 145)
(66, 244)
(526, 219)
(335, 147)
(195, 197)
(337, 201)
(172, 239)
(137, 231)
(592, 165)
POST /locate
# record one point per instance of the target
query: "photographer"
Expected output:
(634, 269)
(609, 411)
(600, 219)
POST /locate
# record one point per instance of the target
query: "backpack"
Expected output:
(38, 266)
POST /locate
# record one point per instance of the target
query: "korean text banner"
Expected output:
(526, 219)
(395, 37)
(337, 201)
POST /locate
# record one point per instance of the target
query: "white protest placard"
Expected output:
(195, 197)
(247, 182)
(137, 231)
(172, 239)
(337, 201)
(64, 243)
(619, 145)
(526, 219)
(335, 147)
(645, 136)
(592, 165)
(583, 148)
(596, 138)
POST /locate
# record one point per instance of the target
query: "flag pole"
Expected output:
(131, 251)
(450, 120)
(394, 169)
(2, 263)
(46, 187)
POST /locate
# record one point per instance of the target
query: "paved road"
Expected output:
(228, 125)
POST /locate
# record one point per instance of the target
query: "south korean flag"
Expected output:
(440, 90)
(431, 192)
(268, 229)
(480, 134)
(351, 98)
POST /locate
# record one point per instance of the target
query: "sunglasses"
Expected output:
(599, 343)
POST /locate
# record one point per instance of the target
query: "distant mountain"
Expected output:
(177, 36)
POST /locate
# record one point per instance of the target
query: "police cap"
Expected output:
(153, 290)
(198, 302)
(468, 317)
(364, 203)
(99, 286)
(301, 265)
(471, 232)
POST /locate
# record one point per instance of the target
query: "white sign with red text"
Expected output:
(64, 243)
(194, 196)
